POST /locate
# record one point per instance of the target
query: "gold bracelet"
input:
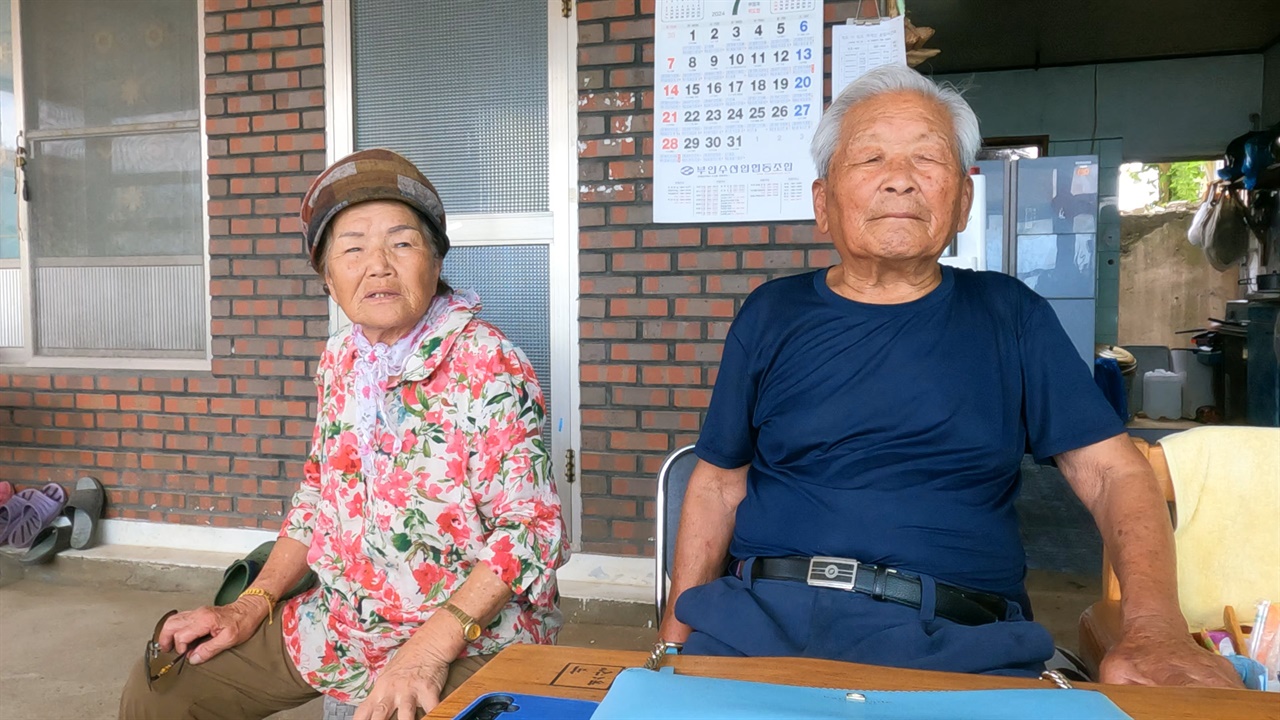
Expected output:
(271, 600)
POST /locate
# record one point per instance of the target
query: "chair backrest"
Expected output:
(673, 480)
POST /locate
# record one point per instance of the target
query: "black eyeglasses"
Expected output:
(161, 663)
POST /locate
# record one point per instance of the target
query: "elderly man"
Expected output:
(859, 460)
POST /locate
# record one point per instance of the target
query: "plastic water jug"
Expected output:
(1162, 394)
(1198, 389)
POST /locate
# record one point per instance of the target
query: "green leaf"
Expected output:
(497, 398)
(401, 542)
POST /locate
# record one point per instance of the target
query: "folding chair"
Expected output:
(673, 480)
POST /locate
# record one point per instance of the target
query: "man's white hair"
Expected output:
(895, 78)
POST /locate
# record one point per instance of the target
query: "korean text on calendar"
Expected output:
(738, 94)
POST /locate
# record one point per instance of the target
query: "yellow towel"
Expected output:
(1226, 483)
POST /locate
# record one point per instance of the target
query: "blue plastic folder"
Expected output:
(644, 694)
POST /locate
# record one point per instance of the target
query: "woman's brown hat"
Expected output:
(376, 174)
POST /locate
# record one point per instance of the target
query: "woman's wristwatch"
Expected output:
(470, 628)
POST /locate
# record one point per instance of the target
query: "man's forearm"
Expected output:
(1118, 487)
(1134, 522)
(702, 543)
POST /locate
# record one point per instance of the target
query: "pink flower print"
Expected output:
(395, 490)
(452, 522)
(408, 442)
(492, 466)
(348, 362)
(428, 575)
(546, 518)
(432, 490)
(458, 453)
(330, 654)
(355, 505)
(364, 574)
(346, 458)
(343, 614)
(388, 444)
(457, 444)
(455, 470)
(506, 564)
(513, 366)
(316, 549)
(503, 436)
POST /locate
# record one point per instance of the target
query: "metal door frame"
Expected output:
(558, 228)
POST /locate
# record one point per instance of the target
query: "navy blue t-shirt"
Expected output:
(894, 433)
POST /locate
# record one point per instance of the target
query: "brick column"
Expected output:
(265, 106)
(656, 300)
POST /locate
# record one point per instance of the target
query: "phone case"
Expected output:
(514, 706)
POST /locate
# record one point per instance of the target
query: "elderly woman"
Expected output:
(426, 511)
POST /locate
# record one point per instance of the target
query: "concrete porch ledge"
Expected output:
(594, 589)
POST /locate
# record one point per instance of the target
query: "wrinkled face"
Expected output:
(895, 189)
(380, 268)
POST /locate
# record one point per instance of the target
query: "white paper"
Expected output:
(737, 96)
(855, 49)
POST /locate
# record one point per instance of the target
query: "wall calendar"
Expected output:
(738, 94)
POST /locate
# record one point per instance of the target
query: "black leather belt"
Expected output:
(967, 607)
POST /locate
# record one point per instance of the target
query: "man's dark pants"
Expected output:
(782, 618)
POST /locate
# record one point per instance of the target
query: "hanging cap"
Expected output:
(375, 174)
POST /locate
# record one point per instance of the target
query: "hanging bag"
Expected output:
(1219, 228)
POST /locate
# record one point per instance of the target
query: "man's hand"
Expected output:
(413, 679)
(1165, 655)
(226, 627)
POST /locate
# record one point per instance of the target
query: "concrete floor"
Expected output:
(65, 649)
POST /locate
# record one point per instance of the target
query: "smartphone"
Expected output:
(510, 706)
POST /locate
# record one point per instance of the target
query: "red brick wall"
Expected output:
(656, 300)
(225, 447)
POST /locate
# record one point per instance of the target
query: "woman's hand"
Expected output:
(413, 679)
(226, 627)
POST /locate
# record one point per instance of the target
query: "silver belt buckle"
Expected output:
(832, 572)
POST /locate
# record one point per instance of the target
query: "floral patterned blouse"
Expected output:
(462, 479)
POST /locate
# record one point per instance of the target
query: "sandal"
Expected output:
(42, 505)
(10, 514)
(240, 574)
(49, 542)
(84, 507)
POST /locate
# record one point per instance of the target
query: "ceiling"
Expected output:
(1005, 34)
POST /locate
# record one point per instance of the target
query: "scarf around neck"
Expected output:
(375, 365)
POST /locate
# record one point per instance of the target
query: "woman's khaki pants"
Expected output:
(252, 680)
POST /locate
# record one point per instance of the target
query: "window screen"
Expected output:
(514, 288)
(111, 94)
(460, 88)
